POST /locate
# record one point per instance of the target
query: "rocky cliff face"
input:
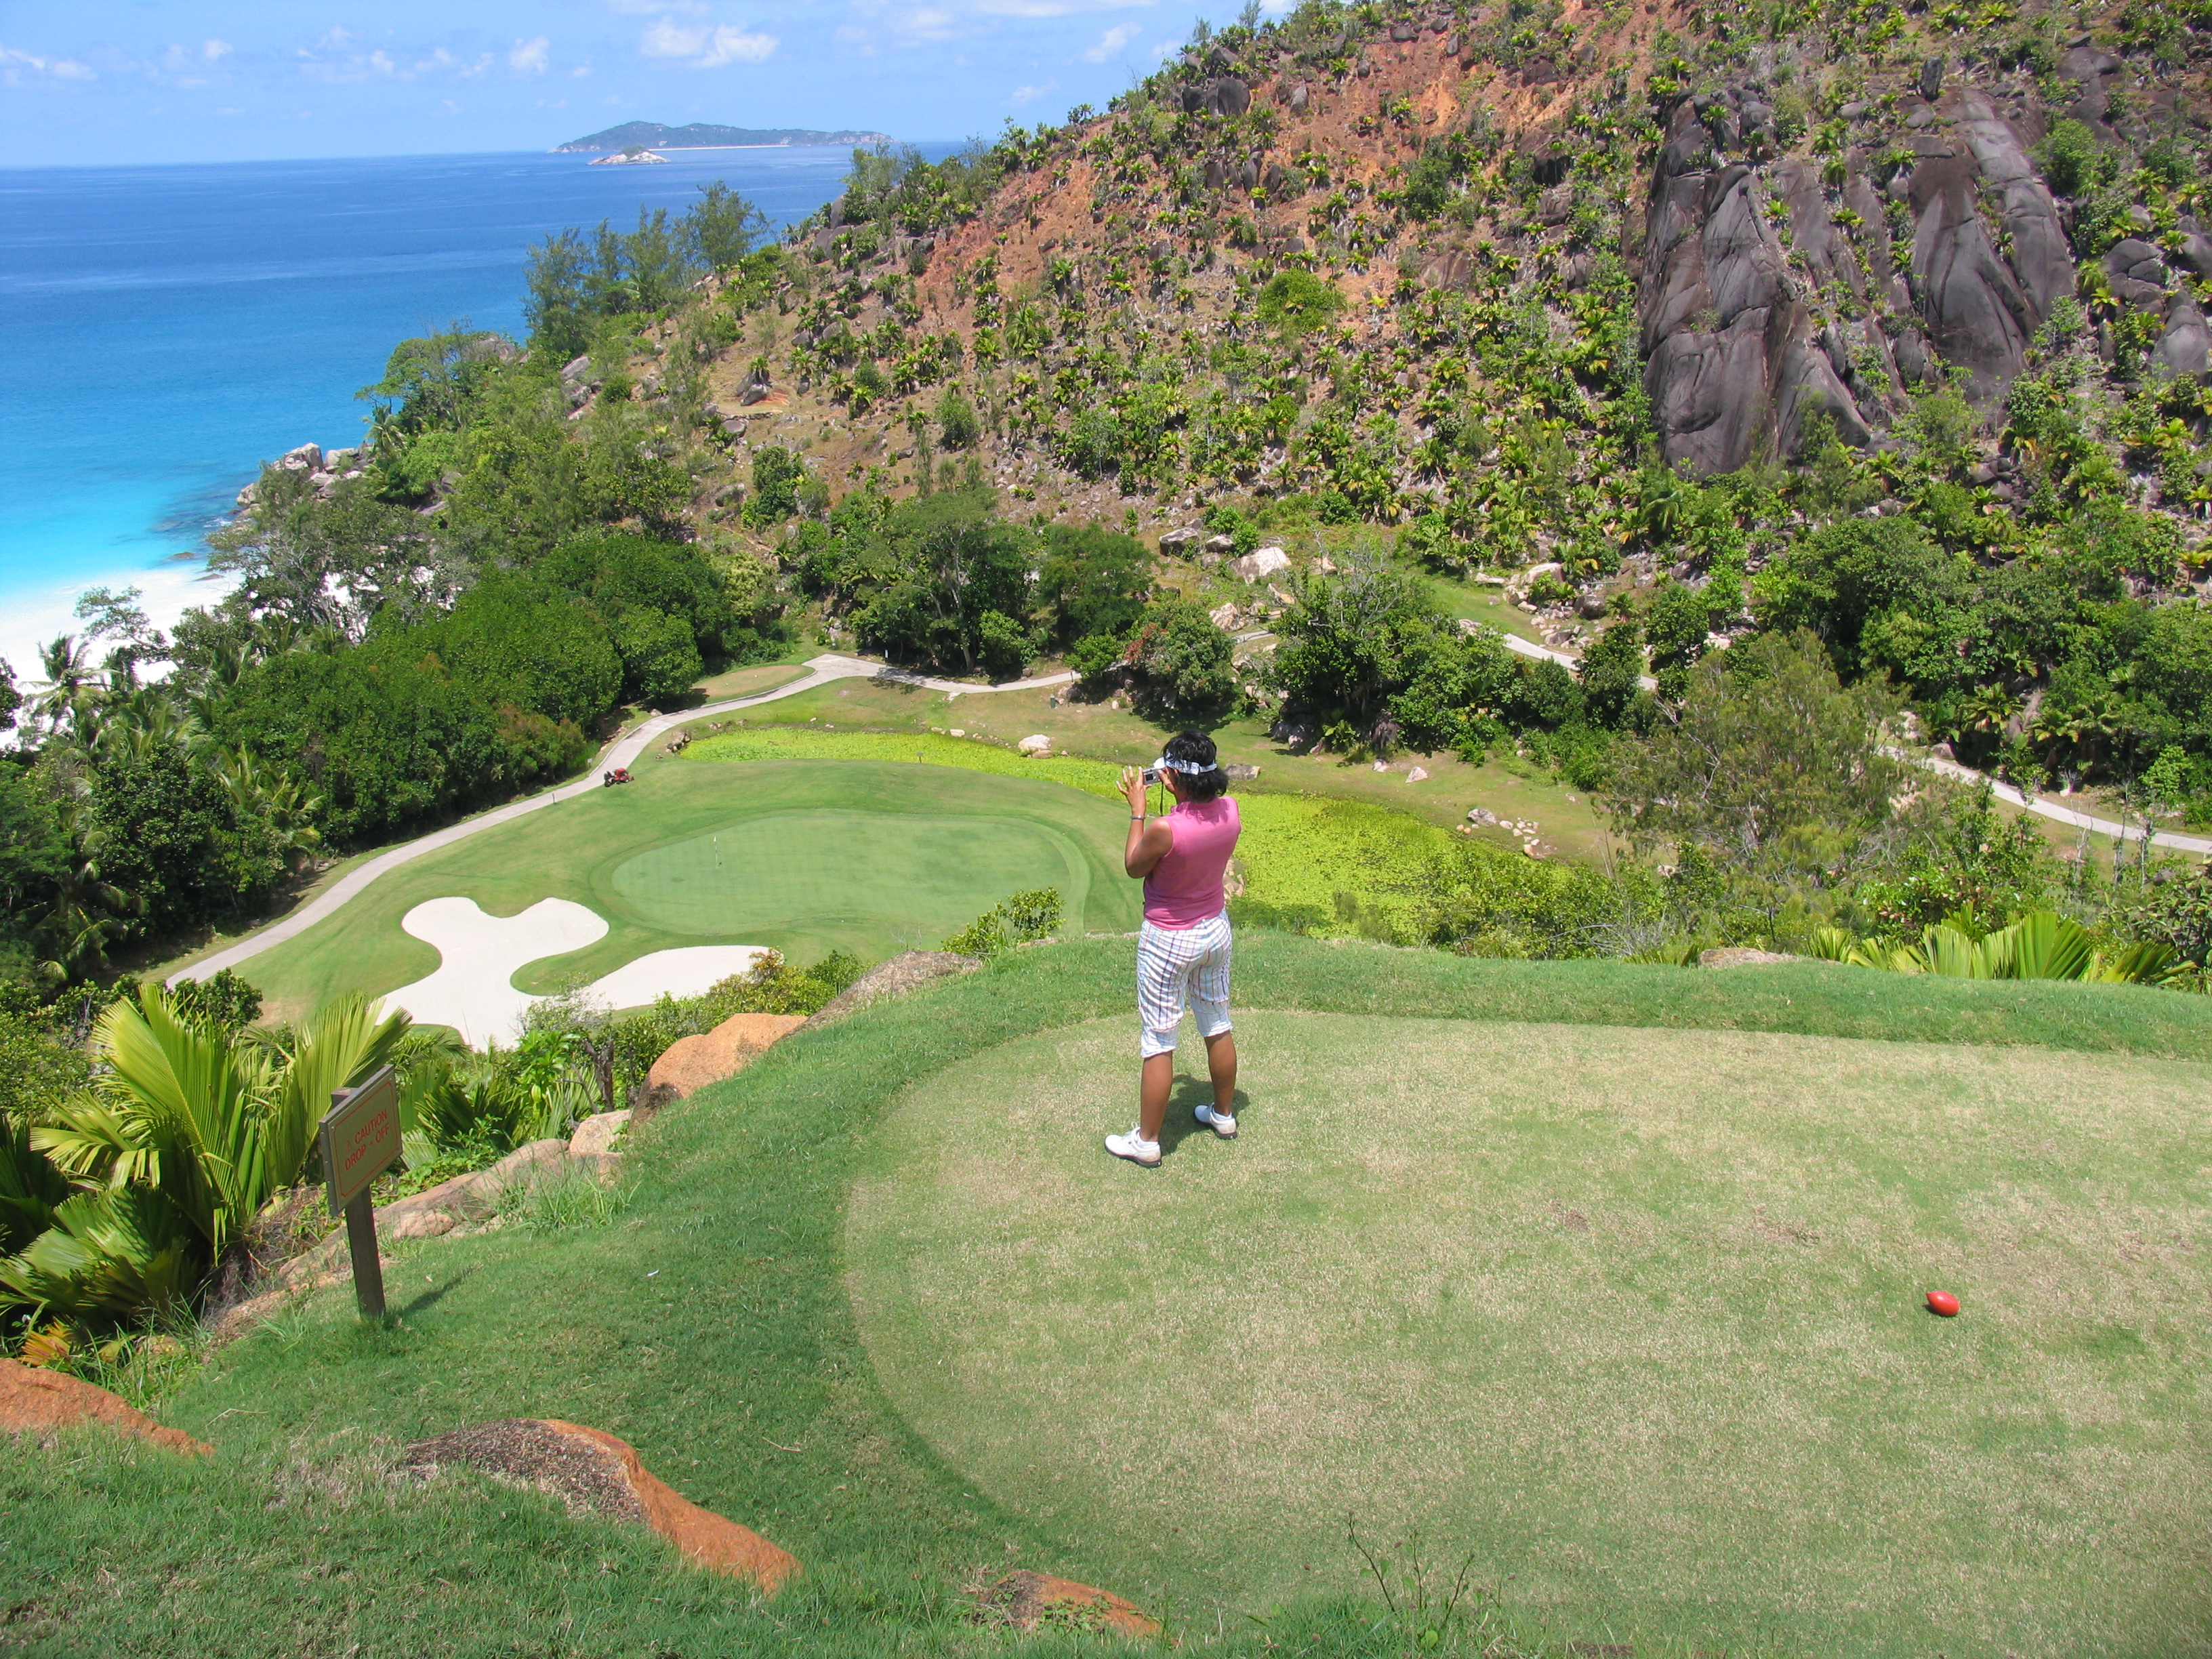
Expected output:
(1776, 288)
(1787, 235)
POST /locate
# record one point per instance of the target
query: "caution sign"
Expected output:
(361, 1136)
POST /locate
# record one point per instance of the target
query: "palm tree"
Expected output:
(184, 1135)
(285, 809)
(89, 913)
(137, 724)
(71, 685)
(2039, 945)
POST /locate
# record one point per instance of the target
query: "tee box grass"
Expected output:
(1759, 1214)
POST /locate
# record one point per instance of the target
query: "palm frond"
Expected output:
(111, 1254)
(190, 1104)
(337, 1048)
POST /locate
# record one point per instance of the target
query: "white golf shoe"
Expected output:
(1134, 1147)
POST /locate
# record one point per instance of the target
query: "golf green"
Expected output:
(828, 871)
(1635, 1316)
(807, 856)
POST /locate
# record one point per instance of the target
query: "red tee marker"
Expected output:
(1943, 1302)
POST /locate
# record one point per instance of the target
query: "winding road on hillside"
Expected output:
(830, 667)
(2039, 804)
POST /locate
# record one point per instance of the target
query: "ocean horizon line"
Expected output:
(172, 163)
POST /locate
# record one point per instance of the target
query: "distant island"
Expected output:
(624, 158)
(651, 135)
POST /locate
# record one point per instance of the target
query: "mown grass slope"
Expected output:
(710, 1325)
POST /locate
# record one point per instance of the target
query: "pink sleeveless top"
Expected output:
(1185, 887)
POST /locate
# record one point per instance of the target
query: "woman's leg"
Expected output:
(1209, 1001)
(1161, 990)
(1157, 1078)
(1221, 1065)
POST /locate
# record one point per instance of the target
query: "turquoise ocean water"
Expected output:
(163, 330)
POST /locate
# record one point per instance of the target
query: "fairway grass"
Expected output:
(1636, 1317)
(871, 857)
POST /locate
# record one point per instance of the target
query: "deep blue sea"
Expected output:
(163, 330)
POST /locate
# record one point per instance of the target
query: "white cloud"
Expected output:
(18, 68)
(929, 23)
(1029, 94)
(1111, 42)
(663, 39)
(442, 59)
(339, 57)
(180, 66)
(1044, 7)
(528, 56)
(212, 50)
(703, 47)
(736, 46)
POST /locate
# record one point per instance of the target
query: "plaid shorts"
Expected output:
(1177, 966)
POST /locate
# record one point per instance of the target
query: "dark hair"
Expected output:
(1198, 748)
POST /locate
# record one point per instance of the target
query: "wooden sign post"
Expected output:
(360, 1137)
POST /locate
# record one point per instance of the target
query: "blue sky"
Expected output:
(110, 81)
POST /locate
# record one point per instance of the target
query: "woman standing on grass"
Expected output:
(1182, 955)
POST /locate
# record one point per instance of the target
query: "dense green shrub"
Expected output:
(517, 642)
(1839, 579)
(1092, 582)
(1295, 302)
(633, 1042)
(1610, 670)
(619, 574)
(956, 424)
(385, 739)
(775, 495)
(1021, 919)
(1778, 773)
(1352, 643)
(2070, 157)
(660, 658)
(1179, 664)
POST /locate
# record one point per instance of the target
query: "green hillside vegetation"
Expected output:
(1830, 1191)
(1381, 288)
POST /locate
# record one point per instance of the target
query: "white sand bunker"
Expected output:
(473, 990)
